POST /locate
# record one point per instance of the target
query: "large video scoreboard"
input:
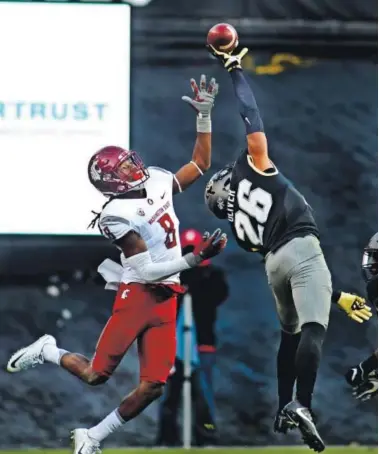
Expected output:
(64, 93)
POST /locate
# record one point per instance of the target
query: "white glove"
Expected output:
(203, 102)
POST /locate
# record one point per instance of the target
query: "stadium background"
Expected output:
(313, 67)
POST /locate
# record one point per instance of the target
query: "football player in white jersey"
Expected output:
(140, 220)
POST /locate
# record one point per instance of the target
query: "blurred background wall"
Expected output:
(313, 68)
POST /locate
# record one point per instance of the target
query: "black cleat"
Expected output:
(303, 419)
(282, 423)
(368, 389)
(355, 376)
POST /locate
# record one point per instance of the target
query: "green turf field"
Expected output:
(284, 450)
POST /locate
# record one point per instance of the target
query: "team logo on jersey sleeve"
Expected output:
(140, 212)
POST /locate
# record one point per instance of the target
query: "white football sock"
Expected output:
(107, 426)
(53, 354)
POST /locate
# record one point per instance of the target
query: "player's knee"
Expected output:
(95, 379)
(152, 390)
(313, 329)
(312, 337)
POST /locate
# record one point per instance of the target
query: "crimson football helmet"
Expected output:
(189, 239)
(115, 171)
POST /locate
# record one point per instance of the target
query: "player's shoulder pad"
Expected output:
(157, 170)
(109, 220)
(114, 225)
(113, 213)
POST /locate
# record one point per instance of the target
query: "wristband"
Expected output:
(203, 124)
(336, 295)
(192, 259)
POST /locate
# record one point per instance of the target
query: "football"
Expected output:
(223, 37)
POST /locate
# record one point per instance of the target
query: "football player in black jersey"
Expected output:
(268, 215)
(364, 377)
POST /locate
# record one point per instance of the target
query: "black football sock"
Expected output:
(286, 371)
(370, 364)
(307, 361)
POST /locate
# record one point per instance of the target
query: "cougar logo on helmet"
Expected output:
(95, 175)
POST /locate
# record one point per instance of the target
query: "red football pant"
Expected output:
(139, 313)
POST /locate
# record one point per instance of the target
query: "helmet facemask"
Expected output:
(370, 264)
(370, 259)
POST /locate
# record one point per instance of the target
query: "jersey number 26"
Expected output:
(254, 205)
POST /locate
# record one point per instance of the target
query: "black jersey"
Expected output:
(265, 209)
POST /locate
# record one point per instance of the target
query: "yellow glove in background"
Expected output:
(355, 307)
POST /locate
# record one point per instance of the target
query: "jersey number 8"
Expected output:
(169, 227)
(253, 205)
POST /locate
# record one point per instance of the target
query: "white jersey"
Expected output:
(153, 218)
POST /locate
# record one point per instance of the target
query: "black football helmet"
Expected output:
(370, 269)
(370, 259)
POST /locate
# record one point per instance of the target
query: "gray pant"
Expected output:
(301, 284)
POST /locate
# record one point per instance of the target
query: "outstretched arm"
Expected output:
(248, 108)
(200, 163)
(138, 257)
(123, 233)
(202, 103)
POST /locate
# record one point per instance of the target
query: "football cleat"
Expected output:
(355, 376)
(29, 356)
(303, 420)
(368, 389)
(282, 423)
(83, 443)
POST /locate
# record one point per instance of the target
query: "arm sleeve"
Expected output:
(247, 104)
(150, 271)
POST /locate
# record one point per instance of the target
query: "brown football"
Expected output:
(223, 37)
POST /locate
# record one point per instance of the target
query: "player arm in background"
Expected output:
(124, 235)
(248, 108)
(202, 103)
(354, 306)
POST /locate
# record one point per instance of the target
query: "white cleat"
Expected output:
(83, 443)
(31, 355)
